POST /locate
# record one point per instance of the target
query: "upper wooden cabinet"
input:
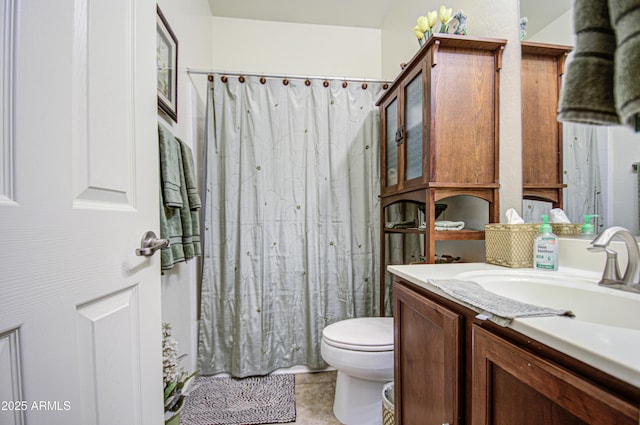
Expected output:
(542, 169)
(440, 117)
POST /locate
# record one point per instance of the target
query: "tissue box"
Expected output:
(510, 245)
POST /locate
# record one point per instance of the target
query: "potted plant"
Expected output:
(176, 380)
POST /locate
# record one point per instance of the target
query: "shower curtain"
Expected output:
(291, 218)
(582, 173)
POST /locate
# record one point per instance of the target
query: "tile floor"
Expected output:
(314, 398)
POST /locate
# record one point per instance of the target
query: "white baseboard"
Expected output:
(300, 369)
(293, 370)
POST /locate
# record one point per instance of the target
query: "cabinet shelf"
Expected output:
(442, 235)
(408, 231)
(459, 235)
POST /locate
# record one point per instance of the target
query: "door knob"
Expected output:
(150, 243)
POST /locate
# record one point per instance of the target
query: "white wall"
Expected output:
(190, 20)
(295, 49)
(559, 31)
(399, 44)
(625, 151)
(483, 21)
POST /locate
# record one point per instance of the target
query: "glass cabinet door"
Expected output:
(413, 125)
(391, 122)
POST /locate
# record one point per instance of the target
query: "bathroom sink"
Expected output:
(560, 290)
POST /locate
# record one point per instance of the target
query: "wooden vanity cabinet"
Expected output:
(452, 368)
(428, 362)
(542, 167)
(514, 386)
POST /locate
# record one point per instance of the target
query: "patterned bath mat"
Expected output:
(249, 401)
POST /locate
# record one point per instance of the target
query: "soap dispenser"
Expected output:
(545, 248)
(587, 227)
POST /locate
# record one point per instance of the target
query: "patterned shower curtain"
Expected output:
(291, 228)
(582, 173)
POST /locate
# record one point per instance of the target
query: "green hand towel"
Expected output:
(192, 198)
(587, 94)
(171, 229)
(180, 225)
(601, 84)
(170, 159)
(625, 19)
(190, 177)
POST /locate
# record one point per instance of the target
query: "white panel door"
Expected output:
(80, 323)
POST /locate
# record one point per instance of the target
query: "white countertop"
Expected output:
(614, 350)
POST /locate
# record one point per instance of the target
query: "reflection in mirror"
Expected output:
(589, 151)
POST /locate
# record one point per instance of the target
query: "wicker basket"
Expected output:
(388, 417)
(510, 245)
(566, 228)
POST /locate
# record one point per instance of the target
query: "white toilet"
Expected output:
(362, 351)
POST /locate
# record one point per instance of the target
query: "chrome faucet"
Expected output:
(630, 281)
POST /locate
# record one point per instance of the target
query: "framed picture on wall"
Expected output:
(167, 67)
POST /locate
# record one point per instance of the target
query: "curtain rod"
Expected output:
(294, 77)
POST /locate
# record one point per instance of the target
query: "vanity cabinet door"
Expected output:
(428, 340)
(514, 386)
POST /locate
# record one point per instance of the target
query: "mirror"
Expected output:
(618, 148)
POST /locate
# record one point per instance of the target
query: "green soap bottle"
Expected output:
(587, 227)
(545, 248)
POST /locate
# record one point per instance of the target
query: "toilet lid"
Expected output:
(361, 334)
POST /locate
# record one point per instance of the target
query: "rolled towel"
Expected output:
(625, 19)
(449, 225)
(588, 91)
(401, 224)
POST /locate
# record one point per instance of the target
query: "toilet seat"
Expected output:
(369, 334)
